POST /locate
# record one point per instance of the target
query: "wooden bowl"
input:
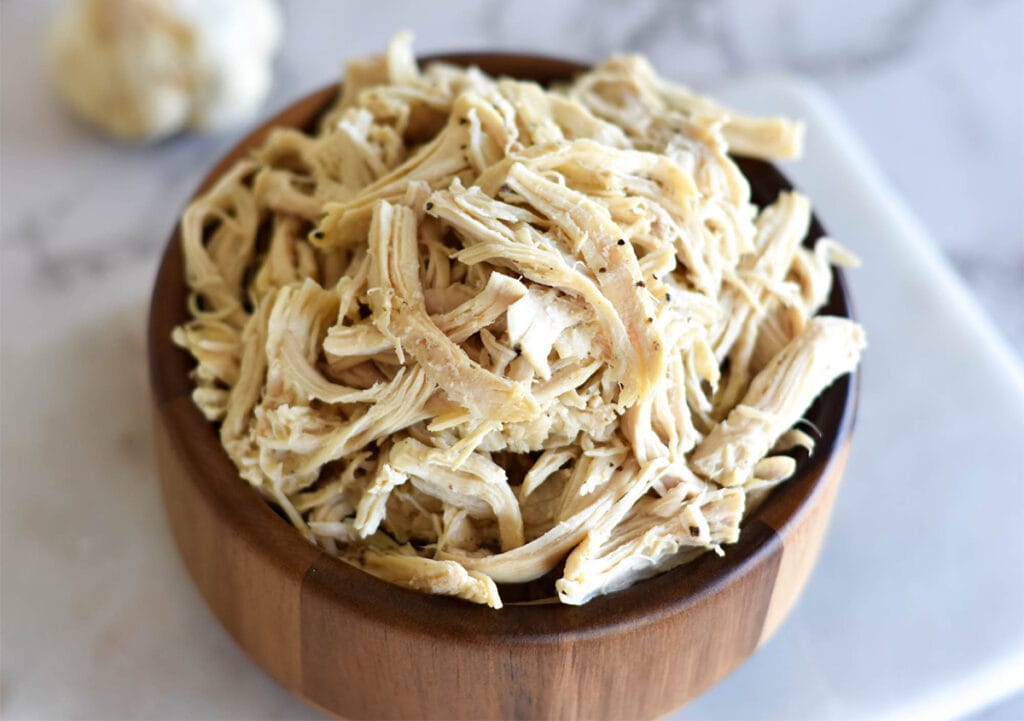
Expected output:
(357, 647)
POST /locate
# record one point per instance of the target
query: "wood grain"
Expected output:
(357, 647)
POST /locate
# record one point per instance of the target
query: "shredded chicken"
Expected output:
(473, 329)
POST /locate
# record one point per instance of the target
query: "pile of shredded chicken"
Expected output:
(474, 329)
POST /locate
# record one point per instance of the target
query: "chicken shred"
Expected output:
(472, 329)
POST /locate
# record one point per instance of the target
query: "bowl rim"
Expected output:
(251, 517)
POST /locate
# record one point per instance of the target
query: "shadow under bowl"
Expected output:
(357, 647)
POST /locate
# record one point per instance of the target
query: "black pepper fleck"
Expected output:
(602, 270)
(318, 234)
(621, 241)
(430, 206)
(462, 121)
(641, 284)
(668, 296)
(694, 531)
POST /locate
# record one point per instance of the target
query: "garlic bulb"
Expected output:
(146, 69)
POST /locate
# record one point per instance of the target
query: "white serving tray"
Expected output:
(916, 609)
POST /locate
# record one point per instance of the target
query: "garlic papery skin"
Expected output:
(142, 70)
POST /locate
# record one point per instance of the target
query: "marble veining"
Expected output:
(936, 110)
(932, 87)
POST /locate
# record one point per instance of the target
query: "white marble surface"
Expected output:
(934, 89)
